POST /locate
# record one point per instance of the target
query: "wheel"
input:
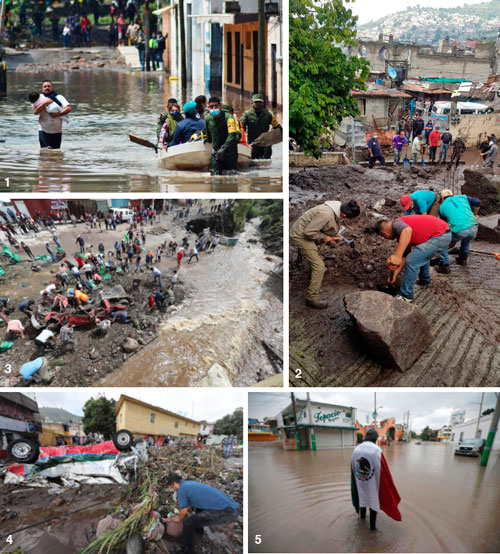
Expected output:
(23, 450)
(489, 110)
(123, 440)
(124, 302)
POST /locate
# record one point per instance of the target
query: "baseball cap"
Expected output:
(405, 201)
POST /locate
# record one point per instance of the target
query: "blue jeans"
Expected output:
(227, 450)
(193, 256)
(157, 278)
(49, 140)
(464, 237)
(418, 262)
(397, 155)
(444, 152)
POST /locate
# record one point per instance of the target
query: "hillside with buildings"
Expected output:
(59, 415)
(430, 25)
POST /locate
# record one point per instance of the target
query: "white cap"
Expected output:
(491, 143)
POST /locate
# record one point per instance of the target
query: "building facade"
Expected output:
(467, 430)
(18, 415)
(143, 419)
(318, 426)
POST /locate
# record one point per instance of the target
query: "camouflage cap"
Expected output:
(257, 98)
(226, 108)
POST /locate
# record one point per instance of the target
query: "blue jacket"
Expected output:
(185, 129)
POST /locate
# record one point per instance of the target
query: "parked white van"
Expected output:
(126, 213)
(441, 110)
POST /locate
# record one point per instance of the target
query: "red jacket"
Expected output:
(434, 138)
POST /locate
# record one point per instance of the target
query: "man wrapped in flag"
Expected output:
(371, 481)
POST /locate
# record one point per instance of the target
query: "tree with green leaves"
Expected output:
(231, 424)
(322, 76)
(99, 416)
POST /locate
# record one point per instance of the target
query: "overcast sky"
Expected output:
(209, 404)
(367, 10)
(426, 408)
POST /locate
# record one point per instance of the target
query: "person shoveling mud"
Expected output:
(317, 226)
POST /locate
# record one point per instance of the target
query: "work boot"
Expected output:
(435, 261)
(423, 283)
(443, 268)
(316, 304)
(461, 260)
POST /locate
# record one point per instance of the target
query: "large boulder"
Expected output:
(395, 332)
(484, 187)
(109, 523)
(130, 345)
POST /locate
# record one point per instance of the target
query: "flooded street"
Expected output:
(213, 326)
(301, 502)
(97, 154)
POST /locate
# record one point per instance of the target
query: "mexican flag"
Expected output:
(371, 481)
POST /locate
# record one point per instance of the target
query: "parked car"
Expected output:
(470, 447)
(441, 110)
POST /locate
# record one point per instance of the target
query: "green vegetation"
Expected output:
(230, 424)
(271, 212)
(59, 415)
(322, 76)
(428, 434)
(98, 416)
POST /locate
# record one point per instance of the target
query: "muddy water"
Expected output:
(301, 502)
(97, 154)
(229, 308)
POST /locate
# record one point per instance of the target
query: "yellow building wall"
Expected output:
(137, 419)
(50, 432)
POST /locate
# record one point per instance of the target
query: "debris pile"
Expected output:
(131, 517)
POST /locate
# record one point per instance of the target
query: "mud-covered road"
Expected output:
(463, 308)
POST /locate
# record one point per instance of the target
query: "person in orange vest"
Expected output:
(229, 109)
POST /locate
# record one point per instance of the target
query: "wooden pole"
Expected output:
(3, 78)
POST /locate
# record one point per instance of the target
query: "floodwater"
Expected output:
(301, 502)
(231, 305)
(97, 155)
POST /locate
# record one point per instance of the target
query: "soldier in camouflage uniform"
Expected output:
(256, 121)
(223, 133)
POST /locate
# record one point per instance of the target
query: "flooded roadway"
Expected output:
(97, 155)
(301, 502)
(230, 306)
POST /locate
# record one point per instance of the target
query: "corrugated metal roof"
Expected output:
(378, 90)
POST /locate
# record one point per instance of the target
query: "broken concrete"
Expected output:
(130, 345)
(109, 523)
(396, 332)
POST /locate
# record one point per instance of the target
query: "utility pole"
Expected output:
(2, 15)
(491, 434)
(182, 33)
(479, 417)
(262, 49)
(309, 413)
(375, 408)
(297, 436)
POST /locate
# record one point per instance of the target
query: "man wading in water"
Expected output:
(50, 124)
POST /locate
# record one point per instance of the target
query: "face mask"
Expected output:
(258, 107)
(214, 112)
(174, 114)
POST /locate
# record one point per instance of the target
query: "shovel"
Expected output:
(474, 165)
(423, 163)
(142, 142)
(495, 254)
(406, 161)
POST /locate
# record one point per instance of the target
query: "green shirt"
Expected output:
(456, 210)
(256, 123)
(223, 130)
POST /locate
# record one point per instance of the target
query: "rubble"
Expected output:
(487, 189)
(129, 517)
(395, 332)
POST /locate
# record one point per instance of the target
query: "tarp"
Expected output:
(94, 452)
(81, 471)
(444, 80)
(13, 258)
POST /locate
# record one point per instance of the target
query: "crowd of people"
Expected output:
(432, 224)
(78, 279)
(211, 121)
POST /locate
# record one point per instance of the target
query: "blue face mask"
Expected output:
(214, 112)
(174, 114)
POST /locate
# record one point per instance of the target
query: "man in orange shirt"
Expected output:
(434, 142)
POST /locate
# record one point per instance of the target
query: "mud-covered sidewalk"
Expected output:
(462, 308)
(67, 522)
